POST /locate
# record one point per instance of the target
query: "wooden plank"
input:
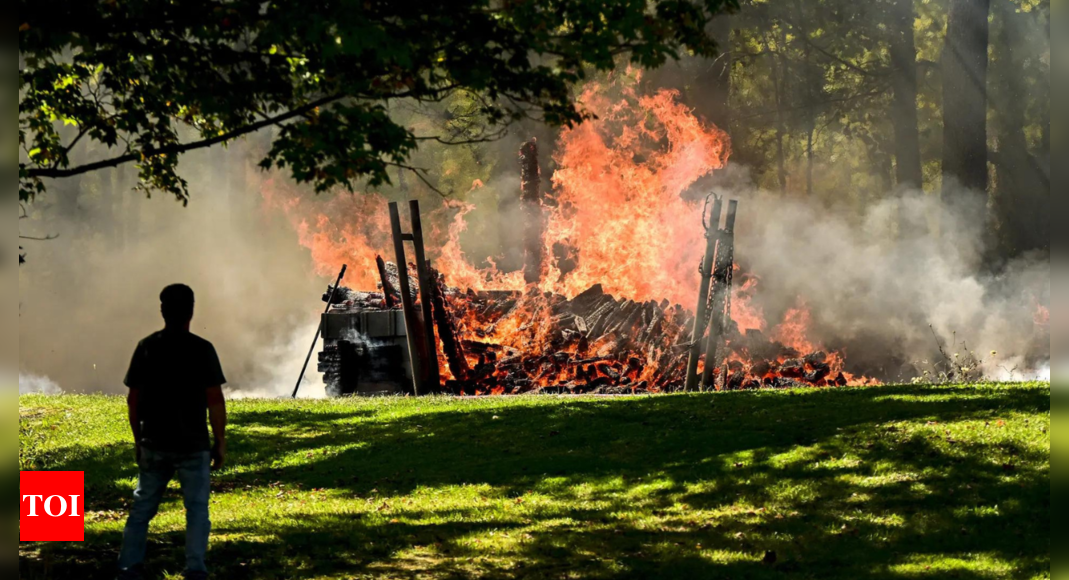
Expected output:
(447, 331)
(411, 320)
(426, 281)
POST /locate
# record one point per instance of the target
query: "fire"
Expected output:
(452, 261)
(744, 312)
(344, 229)
(793, 331)
(619, 187)
(620, 206)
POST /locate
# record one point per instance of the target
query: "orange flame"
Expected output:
(343, 229)
(621, 207)
(794, 330)
(746, 314)
(619, 184)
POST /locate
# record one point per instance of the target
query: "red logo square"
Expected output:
(52, 506)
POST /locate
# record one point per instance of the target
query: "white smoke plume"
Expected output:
(87, 297)
(90, 295)
(37, 385)
(889, 300)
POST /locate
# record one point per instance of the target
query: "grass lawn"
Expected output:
(890, 482)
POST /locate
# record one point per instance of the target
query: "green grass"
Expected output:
(891, 482)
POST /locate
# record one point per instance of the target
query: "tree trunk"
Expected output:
(908, 167)
(781, 122)
(813, 90)
(1021, 193)
(809, 160)
(965, 104)
(720, 74)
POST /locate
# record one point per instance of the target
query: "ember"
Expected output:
(500, 342)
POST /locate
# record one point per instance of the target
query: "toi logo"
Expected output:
(52, 506)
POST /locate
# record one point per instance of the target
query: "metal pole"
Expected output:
(711, 235)
(411, 326)
(319, 329)
(725, 262)
(434, 378)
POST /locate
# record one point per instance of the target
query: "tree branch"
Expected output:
(419, 175)
(180, 148)
(493, 137)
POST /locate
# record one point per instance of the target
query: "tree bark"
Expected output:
(720, 74)
(813, 89)
(1022, 194)
(965, 65)
(908, 166)
(781, 122)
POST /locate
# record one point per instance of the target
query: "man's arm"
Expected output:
(217, 417)
(135, 421)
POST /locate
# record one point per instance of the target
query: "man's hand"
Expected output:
(219, 455)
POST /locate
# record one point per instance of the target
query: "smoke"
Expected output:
(880, 292)
(35, 385)
(1041, 373)
(282, 365)
(87, 297)
(890, 300)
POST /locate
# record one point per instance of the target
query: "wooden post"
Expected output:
(411, 321)
(433, 378)
(712, 234)
(531, 203)
(722, 276)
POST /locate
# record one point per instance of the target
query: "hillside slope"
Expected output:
(891, 482)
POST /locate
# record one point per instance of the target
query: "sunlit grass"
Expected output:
(892, 482)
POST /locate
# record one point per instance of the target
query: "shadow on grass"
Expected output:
(824, 517)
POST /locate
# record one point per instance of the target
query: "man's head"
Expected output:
(176, 305)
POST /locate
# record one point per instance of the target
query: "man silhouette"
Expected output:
(175, 380)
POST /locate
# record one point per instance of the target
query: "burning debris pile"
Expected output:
(596, 343)
(501, 342)
(598, 301)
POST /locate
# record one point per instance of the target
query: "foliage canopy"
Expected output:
(151, 79)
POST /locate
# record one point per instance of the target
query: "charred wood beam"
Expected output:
(531, 205)
(701, 312)
(447, 330)
(412, 326)
(392, 297)
(423, 271)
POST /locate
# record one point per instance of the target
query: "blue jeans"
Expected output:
(157, 469)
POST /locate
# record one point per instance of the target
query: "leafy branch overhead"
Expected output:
(151, 80)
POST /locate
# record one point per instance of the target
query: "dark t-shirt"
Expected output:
(172, 372)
